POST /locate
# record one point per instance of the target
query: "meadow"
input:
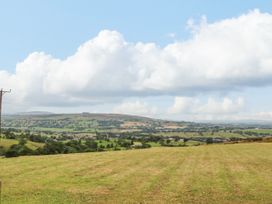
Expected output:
(220, 134)
(6, 143)
(236, 173)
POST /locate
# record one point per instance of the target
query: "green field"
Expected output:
(6, 143)
(203, 134)
(239, 173)
(265, 131)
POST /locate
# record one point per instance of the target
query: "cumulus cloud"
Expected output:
(183, 105)
(135, 108)
(190, 105)
(226, 106)
(221, 56)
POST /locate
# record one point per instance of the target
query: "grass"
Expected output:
(6, 143)
(34, 145)
(53, 129)
(153, 144)
(265, 131)
(239, 173)
(221, 134)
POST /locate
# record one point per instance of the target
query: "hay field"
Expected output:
(239, 173)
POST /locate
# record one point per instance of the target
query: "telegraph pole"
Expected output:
(2, 92)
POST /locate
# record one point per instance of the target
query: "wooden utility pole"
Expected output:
(2, 92)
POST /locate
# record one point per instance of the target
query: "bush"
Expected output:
(53, 148)
(18, 150)
(116, 148)
(25, 151)
(37, 138)
(91, 144)
(146, 145)
(22, 141)
(90, 150)
(100, 149)
(10, 135)
(2, 150)
(209, 140)
(11, 153)
(68, 150)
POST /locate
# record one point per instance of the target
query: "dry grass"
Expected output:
(238, 173)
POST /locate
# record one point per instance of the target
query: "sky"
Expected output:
(181, 60)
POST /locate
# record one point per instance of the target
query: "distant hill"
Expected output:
(85, 115)
(86, 122)
(34, 113)
(90, 122)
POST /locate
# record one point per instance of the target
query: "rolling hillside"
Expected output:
(6, 143)
(86, 122)
(238, 173)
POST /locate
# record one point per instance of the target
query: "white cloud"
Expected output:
(260, 116)
(172, 35)
(226, 106)
(183, 105)
(135, 108)
(221, 56)
(190, 105)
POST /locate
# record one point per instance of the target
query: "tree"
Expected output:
(11, 153)
(52, 147)
(91, 144)
(18, 150)
(110, 145)
(185, 140)
(209, 140)
(146, 145)
(10, 135)
(22, 141)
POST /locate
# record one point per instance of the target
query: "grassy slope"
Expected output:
(6, 143)
(239, 173)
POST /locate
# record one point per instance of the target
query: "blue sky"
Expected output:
(58, 28)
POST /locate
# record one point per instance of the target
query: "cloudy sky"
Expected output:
(182, 60)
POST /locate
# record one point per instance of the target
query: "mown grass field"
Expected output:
(239, 173)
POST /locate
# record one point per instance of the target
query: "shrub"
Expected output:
(11, 153)
(91, 144)
(146, 145)
(2, 150)
(209, 140)
(109, 146)
(17, 150)
(68, 149)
